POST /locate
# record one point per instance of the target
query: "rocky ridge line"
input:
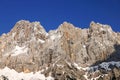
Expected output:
(62, 53)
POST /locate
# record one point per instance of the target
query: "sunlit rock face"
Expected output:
(68, 52)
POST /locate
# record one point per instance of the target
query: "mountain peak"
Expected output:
(24, 24)
(65, 53)
(66, 26)
(97, 25)
(26, 29)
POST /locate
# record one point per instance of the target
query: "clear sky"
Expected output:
(51, 13)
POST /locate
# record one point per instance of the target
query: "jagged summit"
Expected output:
(100, 27)
(63, 53)
(24, 24)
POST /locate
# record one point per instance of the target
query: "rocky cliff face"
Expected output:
(65, 53)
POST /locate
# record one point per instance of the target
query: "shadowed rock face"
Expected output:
(28, 47)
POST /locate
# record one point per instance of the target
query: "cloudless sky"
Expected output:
(52, 13)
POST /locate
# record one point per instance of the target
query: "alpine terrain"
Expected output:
(28, 52)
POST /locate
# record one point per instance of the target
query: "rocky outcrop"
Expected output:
(64, 53)
(2, 77)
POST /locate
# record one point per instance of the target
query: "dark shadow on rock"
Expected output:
(115, 56)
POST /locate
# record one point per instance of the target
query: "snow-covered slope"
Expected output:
(11, 74)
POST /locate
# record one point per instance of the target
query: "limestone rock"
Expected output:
(29, 48)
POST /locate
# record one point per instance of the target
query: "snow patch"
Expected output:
(96, 78)
(78, 67)
(19, 50)
(49, 78)
(104, 25)
(41, 41)
(47, 34)
(101, 29)
(84, 46)
(86, 77)
(13, 75)
(53, 37)
(13, 34)
(59, 65)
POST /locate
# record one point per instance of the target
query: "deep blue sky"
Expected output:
(51, 13)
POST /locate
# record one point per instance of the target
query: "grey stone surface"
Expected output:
(28, 47)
